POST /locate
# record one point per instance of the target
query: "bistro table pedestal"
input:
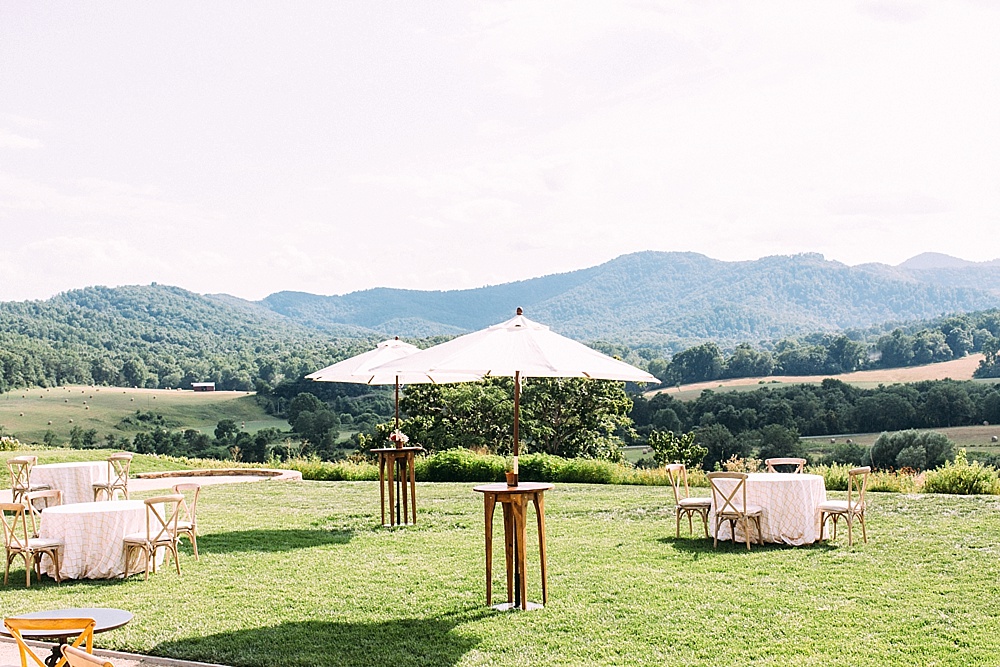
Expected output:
(399, 462)
(514, 501)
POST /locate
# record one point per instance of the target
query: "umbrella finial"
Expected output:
(519, 311)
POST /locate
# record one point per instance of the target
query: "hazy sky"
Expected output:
(334, 146)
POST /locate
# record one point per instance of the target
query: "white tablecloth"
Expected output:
(75, 480)
(93, 535)
(789, 503)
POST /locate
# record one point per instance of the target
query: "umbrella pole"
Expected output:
(517, 418)
(397, 402)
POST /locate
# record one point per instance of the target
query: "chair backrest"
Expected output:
(20, 473)
(77, 658)
(677, 475)
(189, 511)
(82, 627)
(728, 499)
(162, 526)
(118, 466)
(798, 463)
(15, 526)
(857, 484)
(52, 497)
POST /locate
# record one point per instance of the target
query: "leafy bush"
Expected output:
(899, 481)
(540, 467)
(326, 471)
(962, 477)
(899, 450)
(9, 444)
(461, 465)
(591, 471)
(848, 453)
(669, 447)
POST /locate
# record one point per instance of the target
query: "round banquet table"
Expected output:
(105, 618)
(93, 537)
(789, 502)
(75, 480)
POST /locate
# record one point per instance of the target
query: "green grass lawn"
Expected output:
(27, 413)
(301, 574)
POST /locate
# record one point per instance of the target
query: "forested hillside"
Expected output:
(158, 336)
(672, 300)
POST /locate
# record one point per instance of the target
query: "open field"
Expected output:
(959, 369)
(301, 574)
(27, 413)
(972, 438)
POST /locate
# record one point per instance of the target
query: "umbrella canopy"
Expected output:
(362, 369)
(516, 348)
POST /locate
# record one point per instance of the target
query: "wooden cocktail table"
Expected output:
(514, 500)
(105, 618)
(400, 464)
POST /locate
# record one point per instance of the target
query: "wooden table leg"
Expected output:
(392, 490)
(381, 484)
(508, 546)
(540, 517)
(413, 484)
(520, 514)
(489, 501)
(401, 462)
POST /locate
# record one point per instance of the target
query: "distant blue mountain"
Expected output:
(673, 296)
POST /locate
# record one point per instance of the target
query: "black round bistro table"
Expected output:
(105, 618)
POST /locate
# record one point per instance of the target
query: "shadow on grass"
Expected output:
(703, 545)
(270, 540)
(398, 642)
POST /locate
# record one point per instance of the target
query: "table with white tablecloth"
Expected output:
(76, 480)
(789, 502)
(93, 536)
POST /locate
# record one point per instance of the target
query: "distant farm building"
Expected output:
(203, 386)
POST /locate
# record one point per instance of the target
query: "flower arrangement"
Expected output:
(398, 438)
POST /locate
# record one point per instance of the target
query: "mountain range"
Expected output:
(679, 296)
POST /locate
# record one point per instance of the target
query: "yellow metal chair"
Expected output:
(15, 626)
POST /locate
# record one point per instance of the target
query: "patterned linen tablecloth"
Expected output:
(75, 480)
(93, 536)
(789, 502)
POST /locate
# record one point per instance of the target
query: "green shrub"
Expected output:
(540, 467)
(835, 479)
(9, 444)
(962, 477)
(461, 465)
(591, 471)
(899, 450)
(333, 471)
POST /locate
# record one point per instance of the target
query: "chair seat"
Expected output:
(136, 538)
(184, 525)
(750, 510)
(37, 543)
(838, 506)
(695, 503)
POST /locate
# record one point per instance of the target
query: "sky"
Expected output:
(329, 147)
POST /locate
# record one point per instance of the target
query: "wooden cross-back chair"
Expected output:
(18, 542)
(20, 477)
(118, 467)
(851, 509)
(187, 522)
(684, 503)
(36, 501)
(15, 626)
(79, 658)
(798, 463)
(730, 504)
(161, 533)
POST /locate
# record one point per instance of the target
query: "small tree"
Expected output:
(668, 447)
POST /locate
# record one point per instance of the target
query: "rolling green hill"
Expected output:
(660, 296)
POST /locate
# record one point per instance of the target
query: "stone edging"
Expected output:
(275, 474)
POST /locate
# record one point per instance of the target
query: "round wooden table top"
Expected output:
(384, 450)
(105, 618)
(522, 487)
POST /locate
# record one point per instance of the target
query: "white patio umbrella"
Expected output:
(362, 369)
(516, 348)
